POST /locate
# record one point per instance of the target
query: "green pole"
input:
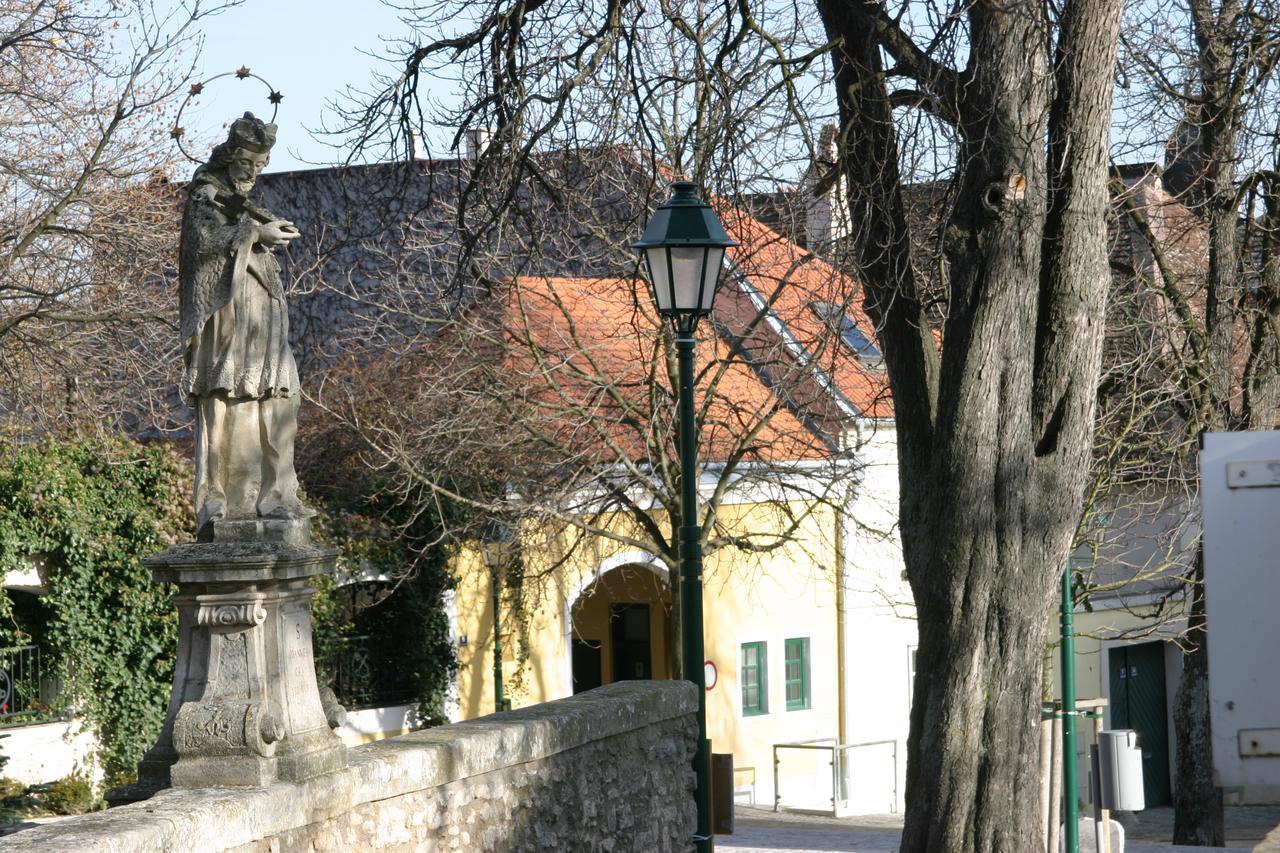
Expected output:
(691, 643)
(1071, 833)
(499, 702)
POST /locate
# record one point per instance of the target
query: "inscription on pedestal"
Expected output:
(209, 726)
(304, 709)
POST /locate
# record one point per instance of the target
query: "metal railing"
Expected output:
(26, 693)
(841, 765)
(359, 681)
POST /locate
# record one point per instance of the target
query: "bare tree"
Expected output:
(1202, 76)
(86, 94)
(994, 427)
(995, 432)
(549, 401)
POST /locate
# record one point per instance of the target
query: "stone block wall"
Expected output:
(607, 770)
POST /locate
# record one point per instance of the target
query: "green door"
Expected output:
(1138, 703)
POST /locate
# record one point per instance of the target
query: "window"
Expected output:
(797, 673)
(755, 680)
(854, 338)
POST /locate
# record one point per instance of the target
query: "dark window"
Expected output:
(587, 671)
(632, 654)
(853, 337)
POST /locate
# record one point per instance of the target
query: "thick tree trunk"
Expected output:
(994, 444)
(1197, 803)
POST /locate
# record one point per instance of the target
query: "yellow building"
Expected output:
(809, 631)
(811, 641)
(1129, 635)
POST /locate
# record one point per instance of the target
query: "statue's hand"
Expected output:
(277, 232)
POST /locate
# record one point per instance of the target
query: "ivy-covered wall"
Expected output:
(396, 613)
(86, 512)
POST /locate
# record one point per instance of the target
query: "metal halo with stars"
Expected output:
(241, 73)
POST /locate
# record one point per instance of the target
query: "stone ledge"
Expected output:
(227, 562)
(214, 819)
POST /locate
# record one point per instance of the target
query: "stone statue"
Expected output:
(240, 372)
(245, 707)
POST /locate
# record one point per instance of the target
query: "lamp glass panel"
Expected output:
(711, 276)
(656, 258)
(686, 274)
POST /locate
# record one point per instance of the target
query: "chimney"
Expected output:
(477, 141)
(826, 154)
(822, 189)
(417, 147)
(1184, 163)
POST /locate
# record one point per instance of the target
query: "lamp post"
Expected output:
(496, 548)
(683, 247)
(1071, 829)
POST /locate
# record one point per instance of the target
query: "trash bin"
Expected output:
(1120, 771)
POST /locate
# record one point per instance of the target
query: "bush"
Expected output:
(19, 807)
(383, 534)
(69, 795)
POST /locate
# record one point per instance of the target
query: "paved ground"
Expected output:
(763, 831)
(1246, 825)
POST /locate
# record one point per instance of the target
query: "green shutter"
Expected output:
(755, 679)
(797, 673)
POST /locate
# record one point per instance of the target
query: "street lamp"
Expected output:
(1071, 829)
(683, 246)
(496, 547)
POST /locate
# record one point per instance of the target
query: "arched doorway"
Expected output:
(620, 627)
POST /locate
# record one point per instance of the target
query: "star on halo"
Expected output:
(242, 72)
(275, 97)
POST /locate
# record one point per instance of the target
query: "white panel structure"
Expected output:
(1240, 498)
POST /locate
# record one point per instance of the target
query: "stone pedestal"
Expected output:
(245, 708)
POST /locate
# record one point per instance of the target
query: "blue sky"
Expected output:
(309, 50)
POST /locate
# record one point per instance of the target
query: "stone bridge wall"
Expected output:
(604, 770)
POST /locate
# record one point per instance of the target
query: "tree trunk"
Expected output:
(1198, 817)
(1197, 803)
(993, 443)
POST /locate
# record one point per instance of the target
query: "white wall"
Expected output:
(372, 724)
(880, 627)
(47, 752)
(1242, 587)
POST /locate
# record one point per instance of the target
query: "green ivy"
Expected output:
(330, 624)
(409, 641)
(384, 533)
(87, 511)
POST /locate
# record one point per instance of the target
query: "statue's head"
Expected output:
(246, 151)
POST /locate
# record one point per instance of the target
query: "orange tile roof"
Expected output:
(586, 348)
(577, 356)
(790, 279)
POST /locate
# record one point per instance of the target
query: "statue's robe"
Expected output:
(235, 321)
(240, 371)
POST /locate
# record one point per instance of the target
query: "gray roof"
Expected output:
(385, 241)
